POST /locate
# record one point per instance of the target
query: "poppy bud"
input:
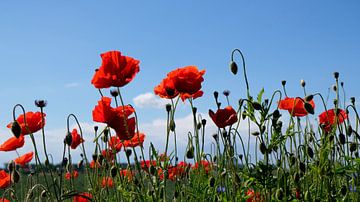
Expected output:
(212, 182)
(113, 171)
(168, 107)
(43, 194)
(114, 92)
(309, 98)
(241, 156)
(152, 170)
(256, 105)
(342, 138)
(243, 115)
(336, 75)
(226, 93)
(172, 125)
(198, 126)
(100, 159)
(263, 148)
(278, 163)
(190, 153)
(279, 194)
(334, 88)
(302, 167)
(296, 177)
(292, 159)
(302, 82)
(40, 103)
(309, 108)
(81, 163)
(68, 139)
(310, 152)
(352, 100)
(216, 95)
(16, 129)
(342, 84)
(15, 177)
(46, 162)
(94, 157)
(276, 114)
(215, 136)
(128, 152)
(64, 161)
(356, 154)
(335, 103)
(233, 67)
(353, 147)
(283, 82)
(215, 159)
(349, 130)
(11, 166)
(96, 128)
(255, 133)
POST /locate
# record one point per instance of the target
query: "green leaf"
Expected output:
(259, 96)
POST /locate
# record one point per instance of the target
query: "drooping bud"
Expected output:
(302, 167)
(233, 67)
(349, 130)
(255, 133)
(310, 152)
(68, 139)
(309, 98)
(256, 105)
(11, 166)
(309, 108)
(15, 177)
(16, 129)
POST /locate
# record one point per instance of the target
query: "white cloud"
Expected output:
(72, 85)
(149, 100)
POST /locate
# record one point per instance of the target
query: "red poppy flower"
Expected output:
(83, 197)
(73, 175)
(295, 106)
(224, 117)
(327, 118)
(126, 173)
(107, 182)
(253, 196)
(4, 200)
(108, 154)
(187, 81)
(145, 165)
(115, 143)
(13, 143)
(137, 140)
(116, 70)
(76, 139)
(24, 159)
(177, 171)
(166, 89)
(204, 164)
(94, 164)
(116, 118)
(4, 179)
(33, 122)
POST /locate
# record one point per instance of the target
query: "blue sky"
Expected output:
(49, 50)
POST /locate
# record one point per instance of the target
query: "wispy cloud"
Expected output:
(149, 100)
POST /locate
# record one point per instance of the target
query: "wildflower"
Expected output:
(83, 197)
(116, 70)
(327, 118)
(220, 189)
(145, 165)
(137, 140)
(4, 179)
(252, 196)
(4, 200)
(186, 81)
(115, 143)
(24, 159)
(127, 173)
(107, 182)
(12, 143)
(206, 165)
(116, 118)
(33, 122)
(69, 175)
(76, 139)
(94, 164)
(166, 89)
(295, 106)
(224, 117)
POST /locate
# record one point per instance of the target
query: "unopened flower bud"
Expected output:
(212, 182)
(309, 98)
(190, 153)
(334, 88)
(96, 128)
(263, 148)
(43, 194)
(226, 93)
(309, 108)
(203, 122)
(353, 147)
(15, 177)
(310, 152)
(342, 138)
(302, 82)
(256, 105)
(113, 171)
(279, 194)
(114, 92)
(40, 103)
(233, 67)
(68, 139)
(16, 129)
(168, 107)
(172, 125)
(283, 82)
(11, 166)
(216, 95)
(128, 152)
(336, 75)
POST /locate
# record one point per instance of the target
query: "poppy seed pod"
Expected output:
(309, 108)
(114, 92)
(16, 129)
(352, 100)
(128, 152)
(40, 103)
(233, 67)
(336, 75)
(216, 95)
(96, 128)
(226, 93)
(203, 122)
(283, 82)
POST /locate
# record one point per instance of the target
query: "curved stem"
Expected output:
(244, 68)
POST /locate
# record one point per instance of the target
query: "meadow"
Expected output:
(295, 159)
